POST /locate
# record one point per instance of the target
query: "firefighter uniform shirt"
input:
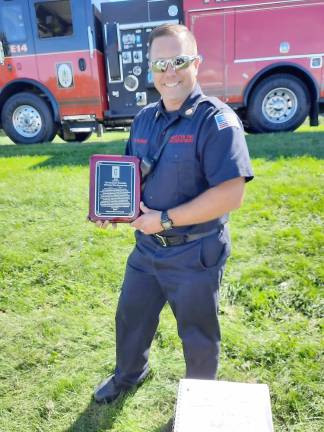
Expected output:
(206, 146)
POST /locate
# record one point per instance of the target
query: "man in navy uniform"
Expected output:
(182, 239)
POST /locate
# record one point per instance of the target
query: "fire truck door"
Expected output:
(65, 46)
(209, 29)
(16, 42)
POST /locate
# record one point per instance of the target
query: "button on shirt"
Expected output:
(206, 146)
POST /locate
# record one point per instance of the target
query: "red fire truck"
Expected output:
(71, 67)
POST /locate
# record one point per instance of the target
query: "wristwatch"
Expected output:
(166, 222)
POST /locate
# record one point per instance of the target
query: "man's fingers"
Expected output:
(105, 224)
(143, 207)
(137, 222)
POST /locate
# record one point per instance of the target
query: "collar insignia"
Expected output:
(189, 112)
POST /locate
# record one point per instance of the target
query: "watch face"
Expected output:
(165, 221)
(167, 225)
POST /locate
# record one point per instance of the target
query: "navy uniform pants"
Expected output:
(188, 277)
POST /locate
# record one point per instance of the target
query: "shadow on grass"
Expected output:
(99, 417)
(72, 154)
(286, 145)
(168, 427)
(102, 417)
(266, 146)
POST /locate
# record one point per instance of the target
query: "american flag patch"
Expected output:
(226, 119)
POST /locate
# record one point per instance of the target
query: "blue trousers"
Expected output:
(188, 277)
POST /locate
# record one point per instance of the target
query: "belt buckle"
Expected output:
(161, 240)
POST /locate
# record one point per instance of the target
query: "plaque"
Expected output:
(114, 188)
(222, 406)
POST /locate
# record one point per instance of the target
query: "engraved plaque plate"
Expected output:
(222, 406)
(114, 188)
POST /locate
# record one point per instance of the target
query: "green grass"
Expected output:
(60, 279)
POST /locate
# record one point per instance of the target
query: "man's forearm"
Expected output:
(211, 204)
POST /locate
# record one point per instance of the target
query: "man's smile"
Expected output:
(172, 85)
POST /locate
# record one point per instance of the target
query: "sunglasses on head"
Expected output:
(177, 63)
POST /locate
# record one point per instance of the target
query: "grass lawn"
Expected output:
(60, 279)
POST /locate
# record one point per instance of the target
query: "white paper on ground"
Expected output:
(222, 406)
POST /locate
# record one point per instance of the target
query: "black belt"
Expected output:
(186, 238)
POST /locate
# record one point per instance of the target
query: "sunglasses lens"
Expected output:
(177, 63)
(181, 62)
(159, 65)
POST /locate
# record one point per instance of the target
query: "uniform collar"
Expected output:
(189, 106)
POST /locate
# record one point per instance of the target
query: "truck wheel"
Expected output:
(27, 119)
(279, 103)
(74, 136)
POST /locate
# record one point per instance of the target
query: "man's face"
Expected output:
(174, 86)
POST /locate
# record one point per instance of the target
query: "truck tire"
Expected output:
(74, 136)
(27, 119)
(279, 103)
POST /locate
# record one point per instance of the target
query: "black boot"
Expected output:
(108, 390)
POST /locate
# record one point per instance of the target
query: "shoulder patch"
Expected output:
(226, 119)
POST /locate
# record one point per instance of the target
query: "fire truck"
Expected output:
(73, 67)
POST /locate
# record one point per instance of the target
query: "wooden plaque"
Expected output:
(115, 186)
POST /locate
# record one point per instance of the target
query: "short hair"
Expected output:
(173, 30)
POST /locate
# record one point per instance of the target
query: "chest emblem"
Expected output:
(175, 139)
(140, 140)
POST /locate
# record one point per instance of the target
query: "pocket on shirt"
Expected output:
(187, 169)
(180, 152)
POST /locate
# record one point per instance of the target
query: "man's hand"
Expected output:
(149, 222)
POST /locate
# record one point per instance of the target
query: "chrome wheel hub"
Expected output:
(27, 121)
(279, 105)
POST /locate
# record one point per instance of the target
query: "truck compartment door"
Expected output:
(127, 26)
(113, 55)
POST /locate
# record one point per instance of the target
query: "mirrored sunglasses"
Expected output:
(177, 63)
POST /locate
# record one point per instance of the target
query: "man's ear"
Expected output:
(197, 64)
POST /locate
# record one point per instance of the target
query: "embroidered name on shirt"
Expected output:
(226, 119)
(175, 139)
(140, 140)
